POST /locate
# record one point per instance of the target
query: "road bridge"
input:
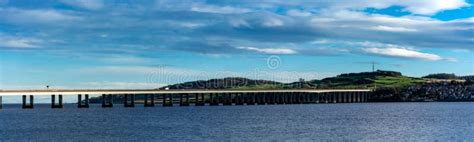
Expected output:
(196, 97)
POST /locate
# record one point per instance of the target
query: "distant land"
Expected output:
(363, 80)
(388, 85)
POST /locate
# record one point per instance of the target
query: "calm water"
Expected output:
(369, 121)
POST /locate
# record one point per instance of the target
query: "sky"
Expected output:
(138, 44)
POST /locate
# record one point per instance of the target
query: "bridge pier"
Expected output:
(356, 94)
(197, 101)
(346, 97)
(127, 102)
(1, 103)
(266, 98)
(107, 101)
(292, 98)
(324, 97)
(354, 97)
(149, 100)
(30, 105)
(330, 97)
(271, 98)
(280, 98)
(299, 98)
(316, 98)
(251, 99)
(286, 99)
(261, 99)
(312, 98)
(359, 97)
(213, 100)
(334, 97)
(304, 98)
(366, 96)
(227, 99)
(240, 99)
(167, 100)
(350, 95)
(82, 104)
(53, 101)
(184, 101)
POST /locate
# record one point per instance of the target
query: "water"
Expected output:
(364, 121)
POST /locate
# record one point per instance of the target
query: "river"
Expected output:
(442, 121)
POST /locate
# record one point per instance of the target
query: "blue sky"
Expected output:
(147, 44)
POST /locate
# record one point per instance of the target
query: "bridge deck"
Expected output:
(124, 91)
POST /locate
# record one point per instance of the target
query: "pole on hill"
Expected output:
(373, 71)
(373, 66)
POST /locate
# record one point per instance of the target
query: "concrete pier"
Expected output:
(279, 98)
(82, 103)
(60, 102)
(250, 98)
(184, 99)
(197, 101)
(345, 97)
(1, 102)
(353, 97)
(366, 96)
(167, 100)
(129, 100)
(239, 99)
(213, 99)
(227, 99)
(260, 98)
(30, 105)
(107, 101)
(149, 100)
(339, 97)
(270, 97)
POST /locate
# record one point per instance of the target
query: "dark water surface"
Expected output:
(364, 121)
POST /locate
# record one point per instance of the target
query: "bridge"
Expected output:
(196, 97)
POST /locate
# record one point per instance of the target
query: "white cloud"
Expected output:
(36, 16)
(430, 7)
(423, 7)
(392, 29)
(269, 50)
(19, 42)
(401, 52)
(87, 4)
(298, 13)
(218, 9)
(272, 22)
(239, 23)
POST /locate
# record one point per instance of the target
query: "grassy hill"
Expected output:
(225, 83)
(363, 80)
(344, 81)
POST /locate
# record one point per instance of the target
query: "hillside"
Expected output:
(225, 83)
(378, 78)
(350, 80)
(391, 86)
